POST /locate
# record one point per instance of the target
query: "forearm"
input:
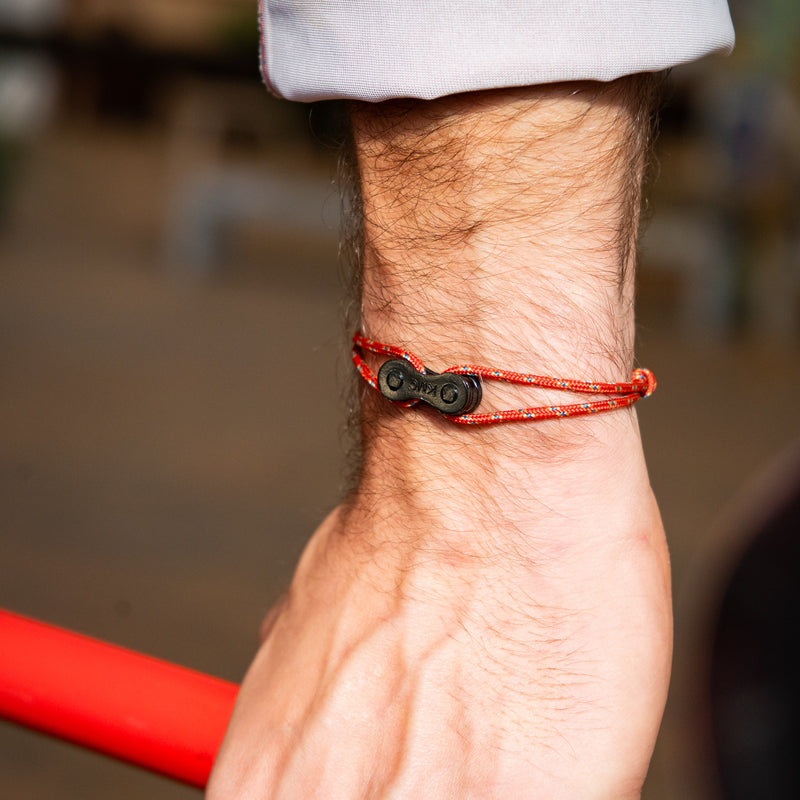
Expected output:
(500, 229)
(515, 208)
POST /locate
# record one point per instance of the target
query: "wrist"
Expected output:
(499, 229)
(450, 503)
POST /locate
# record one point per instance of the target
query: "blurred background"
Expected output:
(171, 296)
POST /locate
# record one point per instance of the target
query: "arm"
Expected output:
(488, 614)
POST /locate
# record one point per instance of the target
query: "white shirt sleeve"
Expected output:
(379, 49)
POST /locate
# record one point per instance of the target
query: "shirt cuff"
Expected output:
(380, 49)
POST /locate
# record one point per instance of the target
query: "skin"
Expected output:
(488, 614)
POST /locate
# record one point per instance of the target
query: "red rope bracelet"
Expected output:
(643, 384)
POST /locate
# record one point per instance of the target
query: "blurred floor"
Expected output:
(167, 447)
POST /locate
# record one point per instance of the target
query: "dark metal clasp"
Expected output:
(447, 392)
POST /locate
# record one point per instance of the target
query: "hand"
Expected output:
(390, 675)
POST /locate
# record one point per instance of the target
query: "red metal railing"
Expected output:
(142, 710)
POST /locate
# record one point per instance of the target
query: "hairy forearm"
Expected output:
(500, 229)
(492, 221)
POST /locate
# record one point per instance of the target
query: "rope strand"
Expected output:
(642, 384)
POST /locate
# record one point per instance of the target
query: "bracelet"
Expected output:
(457, 392)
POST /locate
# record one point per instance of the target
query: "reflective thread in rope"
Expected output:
(456, 392)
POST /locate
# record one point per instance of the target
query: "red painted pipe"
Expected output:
(136, 708)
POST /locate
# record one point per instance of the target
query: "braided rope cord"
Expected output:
(642, 384)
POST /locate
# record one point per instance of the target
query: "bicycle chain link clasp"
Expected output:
(452, 394)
